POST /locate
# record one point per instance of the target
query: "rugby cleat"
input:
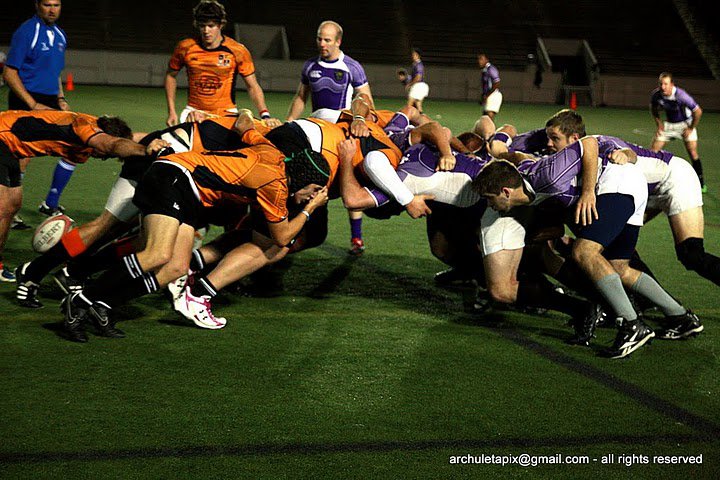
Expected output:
(357, 247)
(7, 276)
(684, 326)
(100, 315)
(585, 326)
(198, 309)
(19, 224)
(26, 291)
(176, 288)
(67, 283)
(630, 337)
(74, 320)
(46, 209)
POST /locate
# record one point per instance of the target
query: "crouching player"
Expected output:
(171, 197)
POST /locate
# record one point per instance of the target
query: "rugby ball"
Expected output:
(49, 232)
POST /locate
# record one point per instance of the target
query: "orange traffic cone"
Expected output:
(69, 85)
(573, 101)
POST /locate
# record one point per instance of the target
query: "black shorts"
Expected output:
(611, 229)
(16, 103)
(10, 175)
(165, 190)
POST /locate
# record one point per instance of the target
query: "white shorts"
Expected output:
(627, 179)
(452, 188)
(675, 130)
(327, 114)
(503, 231)
(186, 111)
(493, 102)
(419, 91)
(119, 202)
(679, 191)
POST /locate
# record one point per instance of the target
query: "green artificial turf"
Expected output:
(352, 367)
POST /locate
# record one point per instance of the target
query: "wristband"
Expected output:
(264, 114)
(62, 98)
(359, 117)
(306, 213)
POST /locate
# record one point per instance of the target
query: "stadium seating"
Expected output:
(626, 37)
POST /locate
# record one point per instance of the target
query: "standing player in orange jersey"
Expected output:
(212, 61)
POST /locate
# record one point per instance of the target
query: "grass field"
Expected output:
(356, 367)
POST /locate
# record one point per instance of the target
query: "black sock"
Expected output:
(691, 252)
(197, 261)
(45, 263)
(638, 264)
(92, 262)
(574, 278)
(202, 286)
(537, 291)
(121, 283)
(697, 165)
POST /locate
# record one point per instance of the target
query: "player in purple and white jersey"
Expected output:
(490, 80)
(682, 115)
(674, 189)
(415, 85)
(331, 80)
(604, 244)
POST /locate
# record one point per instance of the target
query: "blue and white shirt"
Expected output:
(37, 52)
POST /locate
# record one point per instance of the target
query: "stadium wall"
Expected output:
(103, 67)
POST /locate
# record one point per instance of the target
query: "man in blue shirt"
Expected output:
(32, 71)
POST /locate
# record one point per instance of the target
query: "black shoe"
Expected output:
(26, 291)
(19, 224)
(585, 326)
(630, 337)
(46, 209)
(483, 301)
(452, 275)
(686, 325)
(67, 283)
(74, 323)
(100, 314)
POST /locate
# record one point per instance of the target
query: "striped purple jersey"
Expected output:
(534, 142)
(490, 76)
(417, 69)
(332, 82)
(607, 144)
(421, 161)
(555, 176)
(678, 106)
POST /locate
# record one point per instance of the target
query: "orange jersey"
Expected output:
(48, 132)
(252, 174)
(211, 73)
(334, 133)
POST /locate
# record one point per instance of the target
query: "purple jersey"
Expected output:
(534, 142)
(417, 69)
(678, 106)
(607, 144)
(332, 82)
(421, 161)
(555, 176)
(490, 76)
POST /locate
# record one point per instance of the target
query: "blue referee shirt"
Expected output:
(38, 53)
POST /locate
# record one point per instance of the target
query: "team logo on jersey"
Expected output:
(339, 74)
(223, 60)
(208, 84)
(315, 74)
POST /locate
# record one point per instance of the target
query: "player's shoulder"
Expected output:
(186, 44)
(349, 61)
(28, 26)
(233, 44)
